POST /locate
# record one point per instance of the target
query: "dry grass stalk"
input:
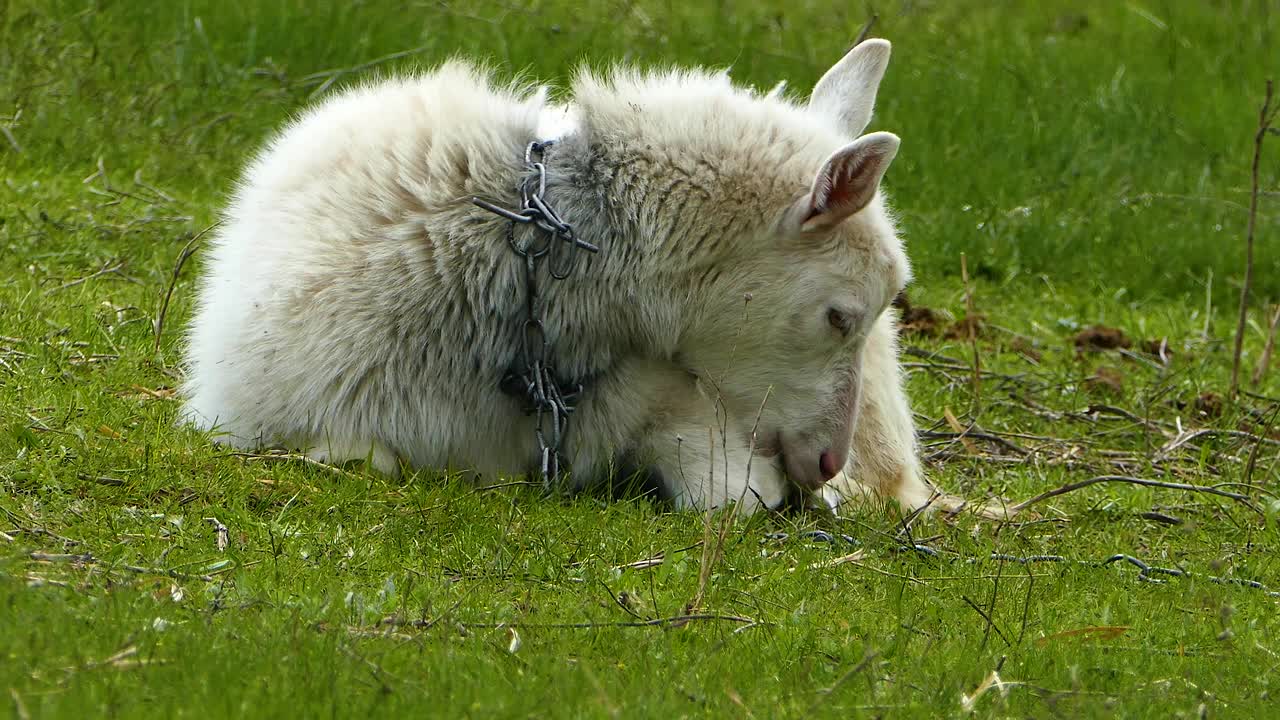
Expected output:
(1265, 116)
(993, 680)
(866, 31)
(187, 251)
(962, 432)
(662, 622)
(1073, 486)
(711, 552)
(971, 320)
(1264, 361)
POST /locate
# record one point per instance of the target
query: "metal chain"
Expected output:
(533, 375)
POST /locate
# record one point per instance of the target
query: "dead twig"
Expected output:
(327, 78)
(161, 194)
(971, 320)
(1073, 486)
(87, 559)
(285, 457)
(709, 550)
(866, 660)
(62, 557)
(992, 680)
(1264, 361)
(648, 562)
(105, 270)
(991, 624)
(712, 553)
(101, 479)
(972, 433)
(19, 708)
(852, 557)
(1252, 462)
(222, 536)
(961, 432)
(187, 251)
(1186, 437)
(13, 141)
(674, 621)
(1265, 116)
(866, 30)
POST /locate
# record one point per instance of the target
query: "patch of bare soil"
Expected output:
(1209, 404)
(916, 321)
(1101, 337)
(966, 327)
(1159, 347)
(1026, 348)
(1106, 380)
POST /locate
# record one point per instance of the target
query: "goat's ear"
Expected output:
(847, 181)
(847, 91)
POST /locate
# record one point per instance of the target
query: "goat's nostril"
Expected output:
(827, 465)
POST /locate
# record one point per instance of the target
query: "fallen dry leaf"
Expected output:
(960, 429)
(1100, 632)
(138, 392)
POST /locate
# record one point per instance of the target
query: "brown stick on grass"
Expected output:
(1265, 361)
(866, 31)
(712, 552)
(1073, 486)
(971, 320)
(187, 251)
(1265, 116)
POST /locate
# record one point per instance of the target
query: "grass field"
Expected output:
(1090, 160)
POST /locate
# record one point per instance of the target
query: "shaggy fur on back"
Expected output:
(356, 304)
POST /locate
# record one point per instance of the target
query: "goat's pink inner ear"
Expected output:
(848, 180)
(845, 187)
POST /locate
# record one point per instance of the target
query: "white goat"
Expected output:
(356, 303)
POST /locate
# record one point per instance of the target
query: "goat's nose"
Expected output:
(827, 465)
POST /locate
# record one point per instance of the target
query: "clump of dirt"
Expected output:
(1026, 348)
(968, 326)
(920, 321)
(1156, 346)
(1106, 380)
(917, 321)
(1209, 404)
(1101, 337)
(1071, 23)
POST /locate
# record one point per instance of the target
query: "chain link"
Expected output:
(533, 375)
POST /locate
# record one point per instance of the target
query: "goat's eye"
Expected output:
(840, 320)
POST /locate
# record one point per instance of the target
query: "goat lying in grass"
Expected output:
(732, 334)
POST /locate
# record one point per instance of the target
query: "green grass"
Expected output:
(1089, 159)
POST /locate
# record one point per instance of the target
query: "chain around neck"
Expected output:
(533, 375)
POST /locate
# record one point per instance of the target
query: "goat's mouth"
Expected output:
(795, 497)
(770, 446)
